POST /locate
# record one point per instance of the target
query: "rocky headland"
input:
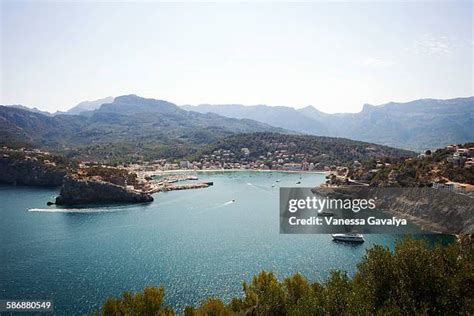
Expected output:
(80, 183)
(83, 191)
(30, 171)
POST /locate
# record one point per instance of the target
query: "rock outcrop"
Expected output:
(81, 191)
(29, 172)
(432, 209)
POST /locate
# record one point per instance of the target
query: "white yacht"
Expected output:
(348, 237)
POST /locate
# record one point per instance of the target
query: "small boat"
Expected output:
(299, 182)
(348, 237)
(277, 180)
(325, 214)
(233, 201)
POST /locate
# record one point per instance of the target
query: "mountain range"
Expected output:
(136, 125)
(129, 125)
(416, 125)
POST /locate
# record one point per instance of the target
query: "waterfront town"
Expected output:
(281, 160)
(456, 157)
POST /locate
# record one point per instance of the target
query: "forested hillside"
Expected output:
(297, 148)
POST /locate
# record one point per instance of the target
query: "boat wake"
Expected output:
(259, 186)
(216, 207)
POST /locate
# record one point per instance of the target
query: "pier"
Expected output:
(187, 186)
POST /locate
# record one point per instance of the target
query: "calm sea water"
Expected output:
(197, 243)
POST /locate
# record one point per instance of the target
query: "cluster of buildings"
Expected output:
(454, 187)
(461, 157)
(280, 159)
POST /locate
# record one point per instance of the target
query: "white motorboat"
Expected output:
(348, 237)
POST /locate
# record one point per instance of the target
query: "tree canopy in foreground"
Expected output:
(414, 279)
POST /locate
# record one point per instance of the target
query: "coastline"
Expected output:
(240, 170)
(435, 211)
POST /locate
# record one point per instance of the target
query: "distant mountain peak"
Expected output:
(127, 98)
(311, 108)
(138, 100)
(134, 104)
(34, 110)
(281, 116)
(368, 107)
(89, 106)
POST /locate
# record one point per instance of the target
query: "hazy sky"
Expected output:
(335, 56)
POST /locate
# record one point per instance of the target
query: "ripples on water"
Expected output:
(197, 243)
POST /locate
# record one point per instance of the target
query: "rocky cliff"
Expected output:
(434, 210)
(78, 191)
(29, 172)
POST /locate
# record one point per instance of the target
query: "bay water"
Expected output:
(196, 243)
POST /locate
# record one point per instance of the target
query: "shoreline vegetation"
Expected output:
(126, 177)
(92, 182)
(414, 279)
(434, 190)
(84, 183)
